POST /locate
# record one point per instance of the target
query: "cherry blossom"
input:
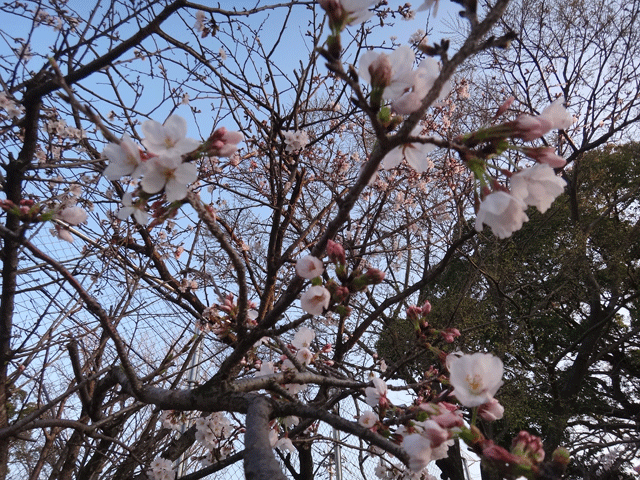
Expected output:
(424, 79)
(304, 356)
(72, 215)
(170, 173)
(309, 267)
(376, 395)
(491, 410)
(475, 378)
(434, 432)
(347, 12)
(130, 208)
(168, 138)
(554, 116)
(444, 414)
(413, 152)
(419, 450)
(223, 143)
(528, 447)
(538, 186)
(303, 338)
(124, 159)
(171, 419)
(13, 109)
(430, 4)
(503, 212)
(546, 155)
(295, 141)
(161, 469)
(368, 419)
(394, 72)
(336, 252)
(315, 300)
(285, 443)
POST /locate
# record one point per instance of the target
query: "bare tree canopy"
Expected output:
(213, 216)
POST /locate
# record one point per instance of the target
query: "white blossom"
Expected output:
(475, 378)
(413, 152)
(124, 159)
(170, 138)
(315, 300)
(72, 215)
(419, 450)
(295, 141)
(374, 395)
(538, 186)
(161, 469)
(285, 443)
(400, 75)
(503, 212)
(131, 208)
(368, 419)
(303, 338)
(309, 267)
(425, 76)
(170, 173)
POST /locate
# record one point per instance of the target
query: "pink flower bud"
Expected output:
(340, 294)
(491, 410)
(545, 155)
(380, 71)
(336, 253)
(426, 308)
(414, 313)
(495, 453)
(505, 106)
(528, 446)
(223, 143)
(374, 276)
(450, 334)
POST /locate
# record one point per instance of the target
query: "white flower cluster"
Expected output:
(300, 345)
(295, 141)
(316, 299)
(211, 430)
(537, 186)
(161, 469)
(161, 166)
(475, 378)
(402, 85)
(70, 214)
(165, 169)
(171, 419)
(504, 212)
(13, 109)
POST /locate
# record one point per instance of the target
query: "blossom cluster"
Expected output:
(221, 318)
(393, 78)
(162, 165)
(13, 109)
(211, 430)
(300, 350)
(538, 186)
(475, 380)
(318, 298)
(295, 141)
(161, 469)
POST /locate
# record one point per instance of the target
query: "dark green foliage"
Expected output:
(558, 301)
